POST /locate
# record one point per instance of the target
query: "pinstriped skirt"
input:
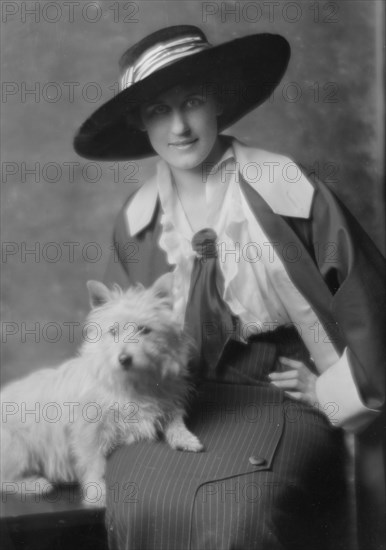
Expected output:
(271, 476)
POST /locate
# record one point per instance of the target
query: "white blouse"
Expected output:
(257, 287)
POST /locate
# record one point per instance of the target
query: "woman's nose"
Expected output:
(179, 123)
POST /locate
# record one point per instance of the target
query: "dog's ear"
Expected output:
(98, 293)
(163, 288)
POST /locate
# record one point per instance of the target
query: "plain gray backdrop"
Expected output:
(60, 62)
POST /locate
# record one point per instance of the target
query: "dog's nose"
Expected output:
(125, 360)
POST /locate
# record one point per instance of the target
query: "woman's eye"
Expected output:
(143, 329)
(194, 102)
(158, 110)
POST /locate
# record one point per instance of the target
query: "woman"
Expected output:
(285, 354)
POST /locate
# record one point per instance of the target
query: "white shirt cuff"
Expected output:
(339, 398)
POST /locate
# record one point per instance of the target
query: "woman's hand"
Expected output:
(298, 381)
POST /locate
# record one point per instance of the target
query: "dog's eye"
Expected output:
(143, 329)
(113, 331)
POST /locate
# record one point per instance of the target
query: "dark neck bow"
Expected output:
(208, 318)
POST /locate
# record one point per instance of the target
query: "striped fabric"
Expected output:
(167, 481)
(161, 55)
(161, 499)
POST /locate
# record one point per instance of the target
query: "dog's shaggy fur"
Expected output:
(129, 382)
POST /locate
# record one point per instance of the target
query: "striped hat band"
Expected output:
(159, 56)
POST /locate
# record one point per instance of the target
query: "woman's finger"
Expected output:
(293, 363)
(295, 395)
(288, 384)
(287, 375)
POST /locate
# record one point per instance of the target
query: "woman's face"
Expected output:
(182, 126)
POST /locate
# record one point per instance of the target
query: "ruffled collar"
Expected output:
(225, 216)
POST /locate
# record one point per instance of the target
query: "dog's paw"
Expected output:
(36, 485)
(94, 494)
(187, 442)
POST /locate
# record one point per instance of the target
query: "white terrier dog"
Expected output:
(129, 382)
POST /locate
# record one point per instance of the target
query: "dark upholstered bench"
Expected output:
(54, 521)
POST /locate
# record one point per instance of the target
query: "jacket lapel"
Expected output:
(300, 267)
(140, 257)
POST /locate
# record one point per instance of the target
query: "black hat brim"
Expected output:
(259, 61)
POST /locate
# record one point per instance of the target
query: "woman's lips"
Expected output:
(182, 145)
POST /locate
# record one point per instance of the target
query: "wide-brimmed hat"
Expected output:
(243, 72)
